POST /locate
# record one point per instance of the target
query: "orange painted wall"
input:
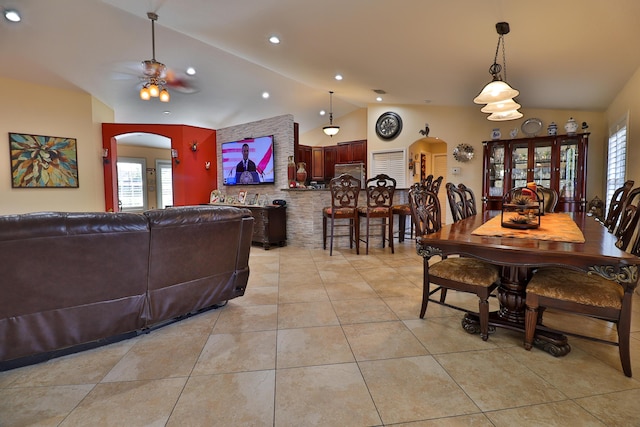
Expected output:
(192, 182)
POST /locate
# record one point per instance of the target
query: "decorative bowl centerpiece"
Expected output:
(521, 209)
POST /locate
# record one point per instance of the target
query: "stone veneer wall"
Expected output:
(304, 216)
(304, 207)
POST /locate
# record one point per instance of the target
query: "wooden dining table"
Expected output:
(519, 257)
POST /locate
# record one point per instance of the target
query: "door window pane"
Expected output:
(132, 193)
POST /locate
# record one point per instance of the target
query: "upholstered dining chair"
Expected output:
(458, 273)
(615, 205)
(404, 210)
(469, 200)
(344, 190)
(456, 198)
(549, 198)
(598, 294)
(380, 190)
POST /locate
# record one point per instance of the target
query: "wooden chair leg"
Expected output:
(530, 322)
(443, 294)
(331, 239)
(624, 330)
(391, 233)
(402, 224)
(356, 227)
(483, 313)
(425, 288)
(324, 232)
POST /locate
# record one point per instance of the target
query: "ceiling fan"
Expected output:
(157, 77)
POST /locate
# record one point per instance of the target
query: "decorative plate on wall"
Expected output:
(531, 127)
(463, 152)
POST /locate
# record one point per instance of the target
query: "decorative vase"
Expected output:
(301, 173)
(291, 170)
(571, 126)
(552, 129)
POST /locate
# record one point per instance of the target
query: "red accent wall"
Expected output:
(192, 182)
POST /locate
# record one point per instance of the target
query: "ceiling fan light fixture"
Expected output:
(155, 72)
(331, 129)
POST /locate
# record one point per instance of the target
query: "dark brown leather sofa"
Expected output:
(70, 281)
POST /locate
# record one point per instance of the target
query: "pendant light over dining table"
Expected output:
(331, 129)
(497, 94)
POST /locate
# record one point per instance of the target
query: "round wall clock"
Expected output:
(389, 125)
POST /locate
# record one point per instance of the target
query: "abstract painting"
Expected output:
(39, 161)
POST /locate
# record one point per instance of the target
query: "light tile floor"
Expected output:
(329, 341)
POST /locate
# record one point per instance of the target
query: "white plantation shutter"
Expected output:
(392, 163)
(616, 159)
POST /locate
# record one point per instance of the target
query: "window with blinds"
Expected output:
(616, 159)
(164, 183)
(391, 163)
(132, 193)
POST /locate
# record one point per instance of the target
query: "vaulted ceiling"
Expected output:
(573, 54)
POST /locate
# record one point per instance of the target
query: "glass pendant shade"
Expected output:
(164, 95)
(331, 130)
(504, 116)
(496, 91)
(144, 94)
(501, 106)
(154, 91)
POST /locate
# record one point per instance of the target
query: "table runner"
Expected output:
(558, 227)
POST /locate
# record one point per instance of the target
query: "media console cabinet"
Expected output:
(269, 226)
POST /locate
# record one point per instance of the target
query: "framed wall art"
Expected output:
(39, 161)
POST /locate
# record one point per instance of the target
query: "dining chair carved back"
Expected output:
(469, 200)
(404, 210)
(380, 190)
(615, 205)
(456, 198)
(600, 293)
(458, 273)
(549, 198)
(344, 190)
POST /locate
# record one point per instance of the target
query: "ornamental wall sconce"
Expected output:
(174, 156)
(194, 146)
(207, 165)
(105, 156)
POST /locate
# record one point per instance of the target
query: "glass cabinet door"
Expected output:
(519, 165)
(542, 165)
(568, 169)
(496, 170)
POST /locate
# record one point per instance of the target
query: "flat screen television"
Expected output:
(248, 162)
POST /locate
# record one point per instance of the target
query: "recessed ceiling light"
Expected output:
(166, 112)
(12, 15)
(379, 99)
(274, 39)
(322, 112)
(191, 71)
(338, 77)
(265, 95)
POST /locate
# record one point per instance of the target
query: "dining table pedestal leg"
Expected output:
(511, 314)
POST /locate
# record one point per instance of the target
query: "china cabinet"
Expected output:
(554, 161)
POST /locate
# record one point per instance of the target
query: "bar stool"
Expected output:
(380, 191)
(345, 190)
(403, 211)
